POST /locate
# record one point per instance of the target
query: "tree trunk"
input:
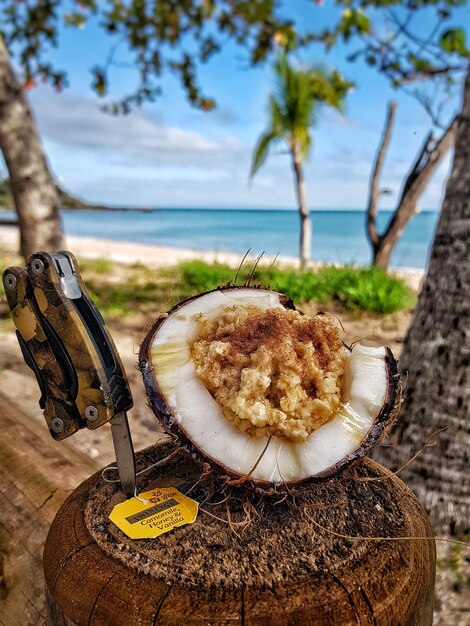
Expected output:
(305, 223)
(31, 183)
(383, 249)
(374, 192)
(437, 356)
(429, 157)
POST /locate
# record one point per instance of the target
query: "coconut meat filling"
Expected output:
(240, 445)
(274, 372)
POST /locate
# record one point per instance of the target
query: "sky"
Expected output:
(168, 154)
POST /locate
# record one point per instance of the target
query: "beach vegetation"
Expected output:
(124, 299)
(122, 290)
(199, 276)
(292, 112)
(351, 288)
(96, 266)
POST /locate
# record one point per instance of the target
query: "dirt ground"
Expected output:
(452, 602)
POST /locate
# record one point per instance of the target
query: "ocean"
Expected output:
(338, 236)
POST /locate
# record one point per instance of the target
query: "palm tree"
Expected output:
(293, 110)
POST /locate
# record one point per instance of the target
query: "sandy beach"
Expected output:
(160, 256)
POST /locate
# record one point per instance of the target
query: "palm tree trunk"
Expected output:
(31, 183)
(436, 356)
(305, 222)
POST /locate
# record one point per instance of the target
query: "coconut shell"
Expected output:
(383, 422)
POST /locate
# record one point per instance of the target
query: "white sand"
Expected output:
(160, 256)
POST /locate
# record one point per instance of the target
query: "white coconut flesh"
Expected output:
(275, 460)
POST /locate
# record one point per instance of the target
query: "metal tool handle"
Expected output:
(54, 373)
(66, 306)
(66, 343)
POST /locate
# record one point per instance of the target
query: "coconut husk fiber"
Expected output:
(241, 539)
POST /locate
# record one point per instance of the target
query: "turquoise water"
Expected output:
(337, 236)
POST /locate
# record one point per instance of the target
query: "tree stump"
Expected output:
(310, 559)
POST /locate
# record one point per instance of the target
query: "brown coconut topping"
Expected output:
(274, 372)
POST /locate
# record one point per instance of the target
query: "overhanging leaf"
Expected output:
(454, 41)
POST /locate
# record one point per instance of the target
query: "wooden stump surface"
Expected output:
(247, 560)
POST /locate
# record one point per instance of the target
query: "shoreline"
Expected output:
(164, 256)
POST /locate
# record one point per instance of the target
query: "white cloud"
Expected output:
(138, 138)
(138, 160)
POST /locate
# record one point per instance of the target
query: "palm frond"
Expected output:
(262, 149)
(276, 116)
(329, 88)
(304, 143)
(294, 105)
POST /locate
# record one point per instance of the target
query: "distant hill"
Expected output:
(72, 202)
(67, 201)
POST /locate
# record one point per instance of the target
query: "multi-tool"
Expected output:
(66, 343)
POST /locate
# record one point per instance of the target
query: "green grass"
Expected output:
(121, 290)
(96, 266)
(138, 290)
(198, 276)
(353, 288)
(145, 290)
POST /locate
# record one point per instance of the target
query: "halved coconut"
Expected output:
(273, 456)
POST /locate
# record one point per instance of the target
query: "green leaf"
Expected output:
(75, 19)
(362, 22)
(453, 41)
(353, 21)
(422, 65)
(99, 81)
(261, 150)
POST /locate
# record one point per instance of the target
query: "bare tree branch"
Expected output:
(374, 192)
(429, 158)
(416, 76)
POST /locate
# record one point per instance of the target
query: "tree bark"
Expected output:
(31, 183)
(436, 357)
(305, 222)
(374, 192)
(429, 158)
(387, 242)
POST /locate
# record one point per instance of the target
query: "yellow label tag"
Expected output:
(160, 511)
